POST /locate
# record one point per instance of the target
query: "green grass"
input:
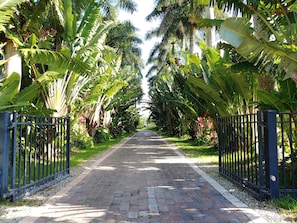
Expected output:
(203, 153)
(82, 155)
(287, 206)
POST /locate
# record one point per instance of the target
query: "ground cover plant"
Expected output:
(79, 156)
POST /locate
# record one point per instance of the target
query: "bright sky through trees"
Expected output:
(138, 20)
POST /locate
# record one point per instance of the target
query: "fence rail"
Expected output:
(258, 152)
(35, 153)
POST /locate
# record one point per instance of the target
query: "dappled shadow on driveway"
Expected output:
(143, 180)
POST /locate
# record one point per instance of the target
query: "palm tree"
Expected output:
(178, 19)
(179, 22)
(124, 40)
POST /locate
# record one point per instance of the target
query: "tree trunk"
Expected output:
(192, 30)
(14, 63)
(210, 32)
(192, 23)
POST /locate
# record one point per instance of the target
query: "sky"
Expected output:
(144, 8)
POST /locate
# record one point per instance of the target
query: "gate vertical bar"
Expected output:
(68, 145)
(260, 144)
(13, 153)
(270, 153)
(4, 151)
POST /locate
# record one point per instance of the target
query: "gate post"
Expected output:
(270, 153)
(4, 151)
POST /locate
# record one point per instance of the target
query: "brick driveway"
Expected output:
(144, 179)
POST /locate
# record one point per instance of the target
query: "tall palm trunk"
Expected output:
(192, 32)
(14, 63)
(210, 32)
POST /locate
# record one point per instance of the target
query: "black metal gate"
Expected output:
(240, 156)
(258, 152)
(35, 153)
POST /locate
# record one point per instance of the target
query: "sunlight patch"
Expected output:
(105, 168)
(148, 168)
(176, 159)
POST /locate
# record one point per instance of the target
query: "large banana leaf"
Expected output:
(69, 21)
(55, 97)
(283, 101)
(208, 94)
(11, 99)
(91, 19)
(60, 61)
(9, 89)
(28, 94)
(238, 32)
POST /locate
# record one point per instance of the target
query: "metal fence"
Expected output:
(34, 152)
(258, 152)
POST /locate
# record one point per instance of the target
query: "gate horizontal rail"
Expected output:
(36, 153)
(258, 152)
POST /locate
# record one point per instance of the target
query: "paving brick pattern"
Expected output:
(142, 181)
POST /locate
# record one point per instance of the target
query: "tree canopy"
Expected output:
(77, 59)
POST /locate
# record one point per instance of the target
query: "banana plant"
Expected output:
(103, 88)
(283, 99)
(76, 63)
(13, 100)
(274, 51)
(12, 97)
(220, 89)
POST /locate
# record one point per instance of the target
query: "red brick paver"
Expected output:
(143, 180)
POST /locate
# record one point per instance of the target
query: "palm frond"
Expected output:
(59, 7)
(91, 19)
(60, 61)
(6, 9)
(128, 5)
(9, 89)
(238, 32)
(208, 94)
(55, 97)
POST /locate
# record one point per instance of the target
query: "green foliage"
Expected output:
(200, 140)
(143, 122)
(23, 101)
(282, 100)
(286, 203)
(124, 120)
(101, 135)
(115, 129)
(80, 139)
(9, 89)
(204, 153)
(6, 9)
(270, 42)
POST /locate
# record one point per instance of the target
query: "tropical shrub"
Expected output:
(101, 135)
(81, 139)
